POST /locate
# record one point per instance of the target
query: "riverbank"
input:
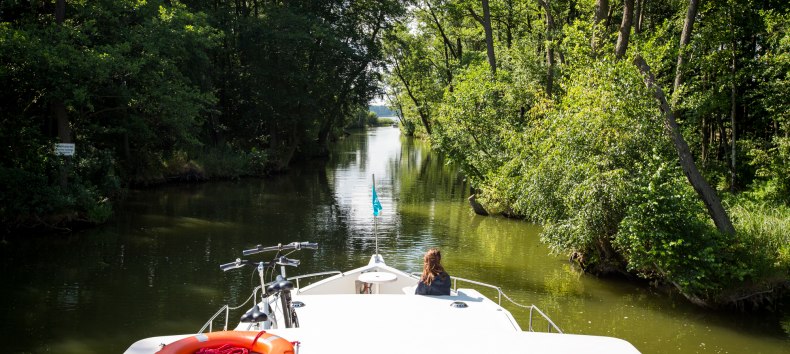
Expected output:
(39, 202)
(748, 271)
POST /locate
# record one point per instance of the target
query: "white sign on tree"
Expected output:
(64, 149)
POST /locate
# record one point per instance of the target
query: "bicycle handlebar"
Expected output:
(287, 262)
(235, 265)
(281, 247)
(282, 260)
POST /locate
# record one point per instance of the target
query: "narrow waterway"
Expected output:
(153, 269)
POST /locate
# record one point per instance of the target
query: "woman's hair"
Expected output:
(432, 266)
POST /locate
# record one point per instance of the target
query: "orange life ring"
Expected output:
(260, 342)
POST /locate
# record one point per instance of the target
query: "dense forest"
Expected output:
(162, 89)
(648, 138)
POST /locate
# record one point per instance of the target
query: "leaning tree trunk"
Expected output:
(421, 110)
(625, 29)
(685, 39)
(701, 186)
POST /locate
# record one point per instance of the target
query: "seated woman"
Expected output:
(434, 280)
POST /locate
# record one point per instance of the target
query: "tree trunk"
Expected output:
(60, 11)
(733, 116)
(485, 21)
(625, 29)
(549, 47)
(448, 47)
(426, 121)
(609, 16)
(59, 107)
(447, 42)
(510, 23)
(476, 206)
(601, 10)
(701, 186)
(685, 39)
(639, 15)
(489, 36)
(720, 148)
(572, 12)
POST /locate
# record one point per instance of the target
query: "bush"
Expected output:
(666, 235)
(216, 163)
(772, 164)
(35, 197)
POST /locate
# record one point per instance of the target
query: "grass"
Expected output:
(766, 228)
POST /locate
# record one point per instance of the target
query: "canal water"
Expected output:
(153, 269)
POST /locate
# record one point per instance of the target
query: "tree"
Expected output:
(625, 29)
(601, 11)
(549, 46)
(705, 192)
(485, 21)
(685, 39)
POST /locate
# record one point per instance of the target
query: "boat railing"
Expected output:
(313, 275)
(226, 310)
(500, 294)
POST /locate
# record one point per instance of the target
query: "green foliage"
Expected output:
(665, 235)
(225, 163)
(577, 167)
(592, 161)
(772, 167)
(38, 198)
(252, 84)
(384, 121)
(477, 113)
(774, 65)
(362, 117)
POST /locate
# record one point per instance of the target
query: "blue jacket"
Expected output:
(439, 286)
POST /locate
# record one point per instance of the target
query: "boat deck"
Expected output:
(399, 312)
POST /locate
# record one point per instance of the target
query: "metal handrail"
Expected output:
(500, 294)
(210, 323)
(226, 308)
(311, 275)
(550, 322)
(498, 289)
(455, 285)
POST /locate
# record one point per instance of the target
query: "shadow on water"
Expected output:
(153, 269)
